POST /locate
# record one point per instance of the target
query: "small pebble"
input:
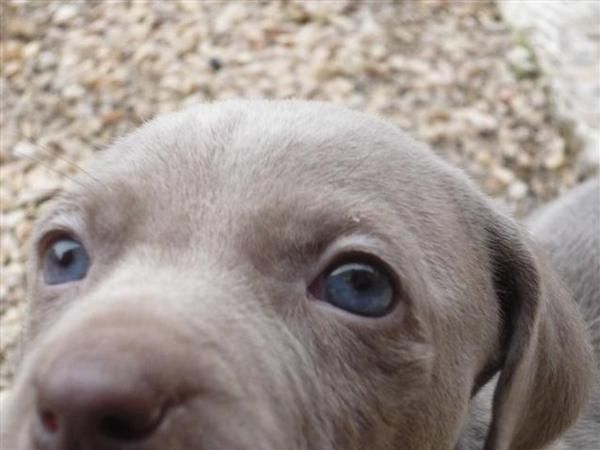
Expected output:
(521, 61)
(215, 64)
(65, 13)
(517, 190)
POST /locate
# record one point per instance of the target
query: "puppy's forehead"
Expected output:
(246, 140)
(211, 166)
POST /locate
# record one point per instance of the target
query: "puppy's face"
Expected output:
(259, 275)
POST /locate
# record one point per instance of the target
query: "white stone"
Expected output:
(65, 13)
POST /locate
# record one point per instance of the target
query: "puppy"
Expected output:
(569, 229)
(288, 275)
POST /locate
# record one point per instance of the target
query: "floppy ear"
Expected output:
(546, 360)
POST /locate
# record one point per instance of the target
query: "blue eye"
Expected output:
(65, 260)
(360, 288)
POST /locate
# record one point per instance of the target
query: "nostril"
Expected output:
(121, 426)
(49, 421)
(118, 426)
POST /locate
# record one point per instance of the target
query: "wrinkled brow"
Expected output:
(64, 212)
(93, 212)
(286, 239)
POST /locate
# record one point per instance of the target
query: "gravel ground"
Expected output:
(75, 76)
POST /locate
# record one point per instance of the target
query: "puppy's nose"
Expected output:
(94, 401)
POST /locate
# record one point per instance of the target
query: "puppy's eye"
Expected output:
(64, 261)
(361, 288)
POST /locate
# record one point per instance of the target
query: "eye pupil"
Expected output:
(361, 280)
(64, 252)
(66, 259)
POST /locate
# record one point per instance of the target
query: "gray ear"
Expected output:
(546, 359)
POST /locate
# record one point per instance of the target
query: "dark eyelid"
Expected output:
(370, 249)
(51, 236)
(368, 259)
(59, 223)
(357, 257)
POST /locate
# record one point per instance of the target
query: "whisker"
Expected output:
(37, 195)
(72, 163)
(50, 168)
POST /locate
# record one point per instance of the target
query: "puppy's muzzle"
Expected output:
(104, 399)
(109, 386)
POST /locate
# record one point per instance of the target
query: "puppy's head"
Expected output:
(270, 275)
